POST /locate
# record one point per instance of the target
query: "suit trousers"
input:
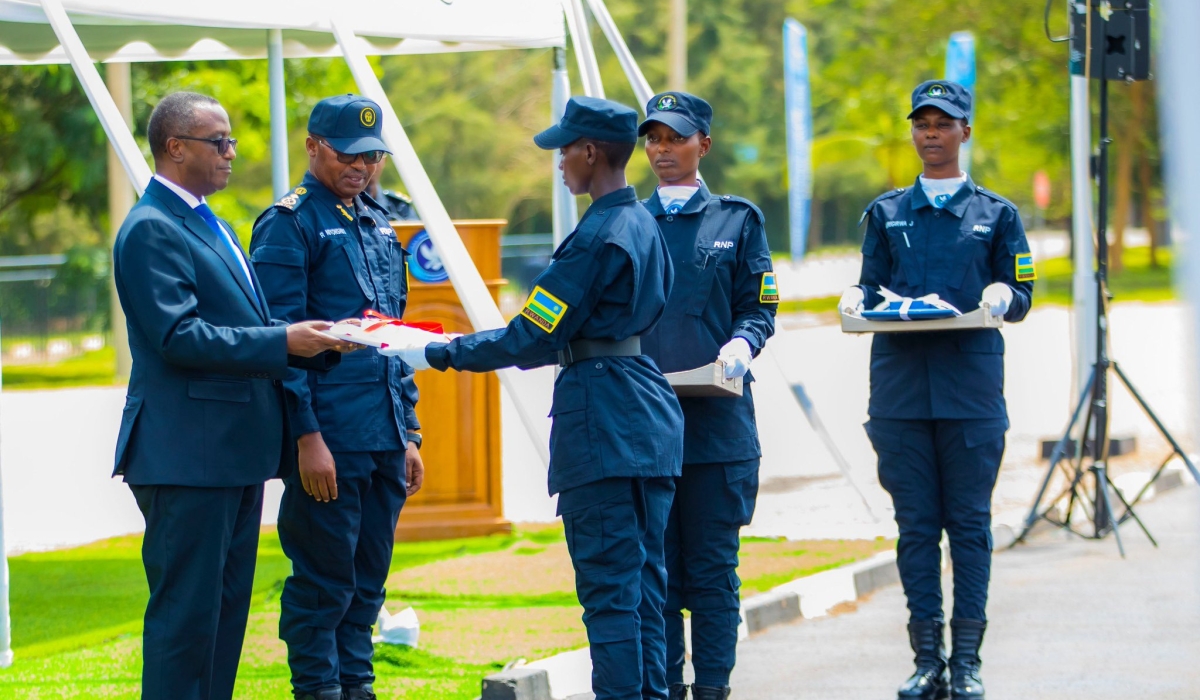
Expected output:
(712, 503)
(199, 552)
(341, 552)
(940, 474)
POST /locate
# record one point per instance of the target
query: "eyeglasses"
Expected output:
(223, 145)
(369, 157)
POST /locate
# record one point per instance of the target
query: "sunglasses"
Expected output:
(223, 145)
(369, 157)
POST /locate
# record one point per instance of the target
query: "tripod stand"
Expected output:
(1097, 503)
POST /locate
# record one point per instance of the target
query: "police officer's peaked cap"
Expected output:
(350, 123)
(593, 118)
(948, 96)
(684, 113)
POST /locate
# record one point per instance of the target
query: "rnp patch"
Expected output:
(1026, 272)
(544, 309)
(769, 293)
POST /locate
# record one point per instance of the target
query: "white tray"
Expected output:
(980, 318)
(708, 380)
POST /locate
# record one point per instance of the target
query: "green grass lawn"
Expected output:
(482, 602)
(95, 368)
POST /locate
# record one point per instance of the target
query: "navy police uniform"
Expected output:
(724, 288)
(617, 438)
(937, 410)
(320, 258)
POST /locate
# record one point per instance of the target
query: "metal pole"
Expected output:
(585, 53)
(566, 211)
(677, 46)
(280, 179)
(121, 198)
(633, 72)
(1083, 279)
(6, 654)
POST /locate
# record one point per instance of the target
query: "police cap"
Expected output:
(684, 113)
(350, 123)
(948, 96)
(593, 118)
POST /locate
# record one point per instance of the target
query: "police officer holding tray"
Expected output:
(722, 305)
(617, 438)
(937, 411)
(326, 248)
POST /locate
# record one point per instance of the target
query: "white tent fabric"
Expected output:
(158, 30)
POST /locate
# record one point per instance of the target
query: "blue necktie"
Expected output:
(211, 219)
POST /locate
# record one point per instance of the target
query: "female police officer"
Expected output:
(937, 411)
(723, 304)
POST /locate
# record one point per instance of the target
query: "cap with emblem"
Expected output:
(948, 96)
(350, 123)
(593, 118)
(684, 113)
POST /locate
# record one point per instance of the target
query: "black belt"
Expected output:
(579, 350)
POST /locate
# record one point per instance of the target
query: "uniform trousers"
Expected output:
(614, 530)
(199, 552)
(341, 552)
(712, 503)
(940, 474)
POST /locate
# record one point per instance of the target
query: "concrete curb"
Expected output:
(567, 676)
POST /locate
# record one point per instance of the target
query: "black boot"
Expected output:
(700, 692)
(966, 638)
(358, 692)
(322, 694)
(677, 691)
(930, 681)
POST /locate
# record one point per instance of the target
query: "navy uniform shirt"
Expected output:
(319, 258)
(724, 289)
(914, 249)
(609, 280)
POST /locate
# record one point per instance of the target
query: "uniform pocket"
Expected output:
(974, 248)
(346, 248)
(708, 259)
(360, 367)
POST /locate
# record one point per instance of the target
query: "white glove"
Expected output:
(998, 296)
(413, 356)
(852, 301)
(736, 355)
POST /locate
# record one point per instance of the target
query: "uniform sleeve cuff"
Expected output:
(438, 356)
(304, 422)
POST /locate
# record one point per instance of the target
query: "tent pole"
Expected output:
(6, 654)
(566, 211)
(633, 72)
(585, 53)
(121, 199)
(472, 291)
(280, 181)
(106, 109)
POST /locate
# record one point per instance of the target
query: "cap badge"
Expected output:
(936, 91)
(367, 117)
(301, 190)
(666, 103)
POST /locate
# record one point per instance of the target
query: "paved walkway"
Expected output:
(1069, 619)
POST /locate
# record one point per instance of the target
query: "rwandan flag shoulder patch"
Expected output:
(1025, 269)
(769, 293)
(544, 309)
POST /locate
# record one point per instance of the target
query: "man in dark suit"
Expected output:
(204, 423)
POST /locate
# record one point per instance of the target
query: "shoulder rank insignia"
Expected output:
(544, 309)
(1026, 272)
(769, 293)
(291, 199)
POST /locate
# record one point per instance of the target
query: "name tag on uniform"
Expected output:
(333, 232)
(1026, 272)
(769, 293)
(544, 309)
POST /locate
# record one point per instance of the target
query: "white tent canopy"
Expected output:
(161, 30)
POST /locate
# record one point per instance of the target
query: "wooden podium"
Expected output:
(459, 411)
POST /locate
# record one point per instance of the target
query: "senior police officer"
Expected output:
(937, 410)
(617, 436)
(327, 248)
(722, 305)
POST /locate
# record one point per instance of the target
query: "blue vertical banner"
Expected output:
(798, 105)
(960, 68)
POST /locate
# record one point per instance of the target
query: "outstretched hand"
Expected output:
(308, 339)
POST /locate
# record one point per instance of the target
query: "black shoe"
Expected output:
(930, 681)
(677, 691)
(358, 692)
(700, 692)
(966, 638)
(322, 694)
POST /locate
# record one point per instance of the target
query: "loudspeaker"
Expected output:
(1120, 38)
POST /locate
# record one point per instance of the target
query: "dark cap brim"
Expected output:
(678, 122)
(943, 105)
(358, 144)
(556, 137)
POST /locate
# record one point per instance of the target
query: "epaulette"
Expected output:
(992, 195)
(397, 195)
(292, 200)
(762, 220)
(886, 195)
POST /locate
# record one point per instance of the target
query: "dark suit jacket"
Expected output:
(206, 403)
